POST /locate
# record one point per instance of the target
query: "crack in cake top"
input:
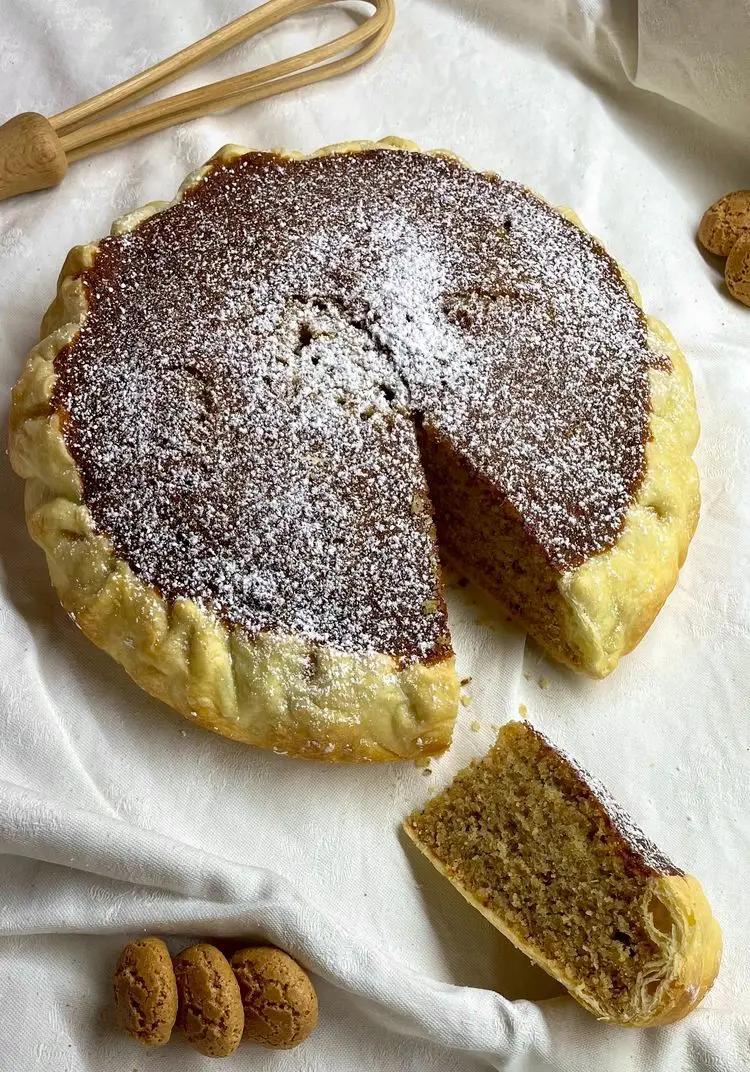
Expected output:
(242, 397)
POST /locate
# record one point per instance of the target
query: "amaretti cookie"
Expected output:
(279, 999)
(146, 991)
(210, 1007)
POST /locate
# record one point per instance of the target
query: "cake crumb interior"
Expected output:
(525, 835)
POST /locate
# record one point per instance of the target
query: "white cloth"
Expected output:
(116, 818)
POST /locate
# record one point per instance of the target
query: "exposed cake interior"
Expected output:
(565, 874)
(483, 534)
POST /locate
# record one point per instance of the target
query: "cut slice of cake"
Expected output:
(548, 857)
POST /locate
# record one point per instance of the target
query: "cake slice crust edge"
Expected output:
(676, 914)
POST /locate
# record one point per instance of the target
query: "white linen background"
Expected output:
(116, 818)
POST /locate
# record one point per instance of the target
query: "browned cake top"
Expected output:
(243, 395)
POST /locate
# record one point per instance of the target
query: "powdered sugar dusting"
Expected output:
(648, 854)
(242, 397)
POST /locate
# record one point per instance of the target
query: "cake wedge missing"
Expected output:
(542, 850)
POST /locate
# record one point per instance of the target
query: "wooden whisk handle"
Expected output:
(35, 152)
(31, 155)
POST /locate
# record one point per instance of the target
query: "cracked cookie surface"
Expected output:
(210, 1007)
(280, 1003)
(146, 991)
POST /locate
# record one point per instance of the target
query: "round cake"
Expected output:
(257, 412)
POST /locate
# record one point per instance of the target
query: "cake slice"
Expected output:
(548, 857)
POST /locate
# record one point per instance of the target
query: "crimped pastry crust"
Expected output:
(261, 689)
(615, 596)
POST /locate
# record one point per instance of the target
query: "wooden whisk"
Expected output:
(35, 151)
